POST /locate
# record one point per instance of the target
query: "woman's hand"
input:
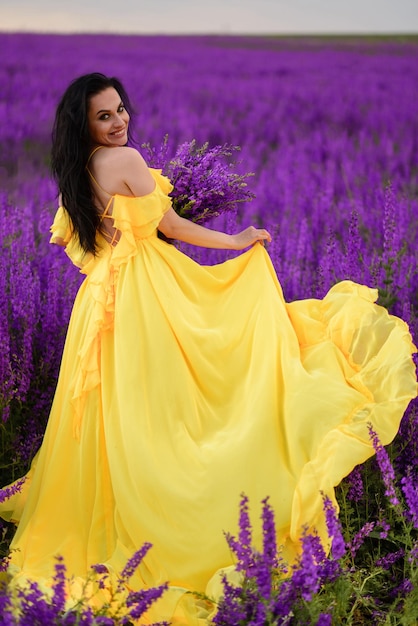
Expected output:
(248, 237)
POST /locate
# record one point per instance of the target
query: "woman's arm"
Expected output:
(125, 168)
(175, 227)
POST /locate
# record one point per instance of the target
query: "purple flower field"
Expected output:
(329, 127)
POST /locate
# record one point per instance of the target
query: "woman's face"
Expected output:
(107, 119)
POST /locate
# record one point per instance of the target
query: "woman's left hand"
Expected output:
(248, 237)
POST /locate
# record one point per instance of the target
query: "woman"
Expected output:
(181, 386)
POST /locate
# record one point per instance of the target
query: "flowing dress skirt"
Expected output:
(184, 386)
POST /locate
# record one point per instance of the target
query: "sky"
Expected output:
(211, 16)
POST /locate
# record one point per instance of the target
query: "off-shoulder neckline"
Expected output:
(146, 195)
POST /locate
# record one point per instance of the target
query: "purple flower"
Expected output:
(356, 487)
(306, 575)
(385, 526)
(231, 609)
(269, 535)
(386, 468)
(99, 568)
(324, 619)
(139, 602)
(402, 590)
(133, 563)
(359, 538)
(333, 528)
(410, 490)
(10, 491)
(242, 547)
(59, 585)
(6, 610)
(387, 561)
(281, 606)
(205, 184)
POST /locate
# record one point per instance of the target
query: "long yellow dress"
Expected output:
(183, 386)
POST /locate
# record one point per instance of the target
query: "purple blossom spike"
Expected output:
(410, 490)
(356, 487)
(139, 602)
(134, 562)
(333, 528)
(385, 526)
(388, 560)
(59, 585)
(324, 619)
(359, 538)
(306, 575)
(386, 468)
(12, 490)
(242, 547)
(99, 568)
(269, 535)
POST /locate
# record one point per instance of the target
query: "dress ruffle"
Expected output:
(136, 218)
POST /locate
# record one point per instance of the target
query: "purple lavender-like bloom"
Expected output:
(403, 589)
(281, 606)
(59, 585)
(205, 184)
(306, 576)
(35, 608)
(8, 492)
(410, 490)
(324, 619)
(385, 526)
(6, 614)
(356, 489)
(250, 603)
(387, 561)
(139, 601)
(242, 547)
(269, 535)
(359, 538)
(133, 563)
(263, 565)
(333, 528)
(103, 572)
(157, 156)
(231, 609)
(386, 468)
(353, 256)
(99, 568)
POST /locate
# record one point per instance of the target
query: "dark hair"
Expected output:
(71, 146)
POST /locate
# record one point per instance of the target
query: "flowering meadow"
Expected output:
(329, 129)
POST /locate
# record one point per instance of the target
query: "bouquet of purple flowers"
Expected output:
(205, 184)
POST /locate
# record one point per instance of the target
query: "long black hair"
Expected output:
(71, 146)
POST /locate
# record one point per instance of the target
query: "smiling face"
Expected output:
(108, 119)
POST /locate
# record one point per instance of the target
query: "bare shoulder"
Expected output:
(120, 157)
(126, 170)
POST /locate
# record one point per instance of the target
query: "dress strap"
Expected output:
(89, 171)
(93, 152)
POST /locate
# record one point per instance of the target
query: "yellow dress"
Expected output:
(183, 386)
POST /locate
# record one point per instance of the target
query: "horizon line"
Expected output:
(281, 34)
